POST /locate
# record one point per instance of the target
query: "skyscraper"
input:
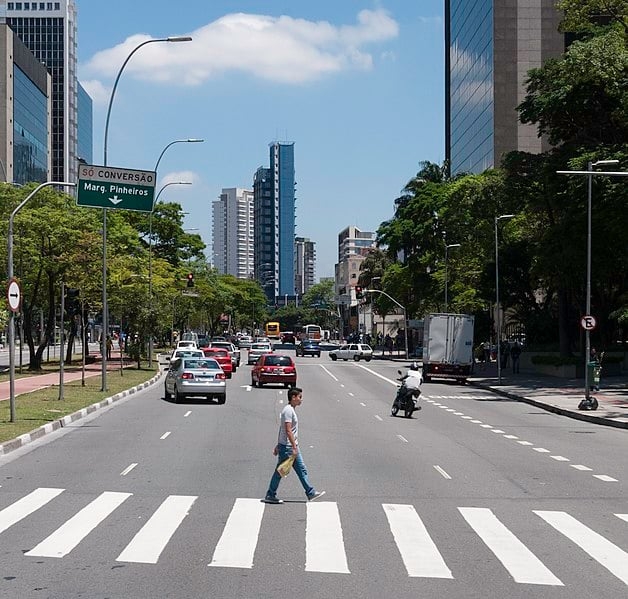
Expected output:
(490, 45)
(232, 232)
(274, 216)
(48, 29)
(304, 264)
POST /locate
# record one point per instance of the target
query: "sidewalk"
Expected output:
(554, 394)
(71, 373)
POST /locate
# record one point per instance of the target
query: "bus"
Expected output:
(312, 331)
(271, 330)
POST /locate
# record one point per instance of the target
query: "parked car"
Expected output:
(222, 356)
(308, 347)
(195, 376)
(234, 352)
(274, 368)
(258, 349)
(352, 351)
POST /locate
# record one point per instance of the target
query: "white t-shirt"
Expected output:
(288, 414)
(414, 380)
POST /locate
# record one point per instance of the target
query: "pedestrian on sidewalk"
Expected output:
(109, 344)
(505, 351)
(288, 445)
(487, 352)
(515, 354)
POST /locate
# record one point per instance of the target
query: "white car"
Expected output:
(352, 351)
(185, 343)
(186, 352)
(256, 350)
(234, 352)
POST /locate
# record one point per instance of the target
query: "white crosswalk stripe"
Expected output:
(26, 506)
(520, 562)
(68, 536)
(150, 541)
(614, 559)
(418, 552)
(325, 540)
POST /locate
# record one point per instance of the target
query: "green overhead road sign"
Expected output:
(110, 187)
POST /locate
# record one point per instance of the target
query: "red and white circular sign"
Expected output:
(14, 295)
(588, 323)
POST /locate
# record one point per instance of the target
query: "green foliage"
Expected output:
(588, 16)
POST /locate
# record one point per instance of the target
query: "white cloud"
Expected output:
(281, 49)
(98, 92)
(188, 176)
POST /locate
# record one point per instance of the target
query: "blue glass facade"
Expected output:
(30, 130)
(470, 85)
(282, 165)
(85, 122)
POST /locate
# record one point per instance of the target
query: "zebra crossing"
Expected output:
(325, 540)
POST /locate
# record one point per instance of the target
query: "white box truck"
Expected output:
(447, 347)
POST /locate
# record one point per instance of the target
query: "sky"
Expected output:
(357, 85)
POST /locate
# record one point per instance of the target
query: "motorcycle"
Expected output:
(406, 398)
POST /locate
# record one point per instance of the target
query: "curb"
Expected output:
(50, 427)
(584, 415)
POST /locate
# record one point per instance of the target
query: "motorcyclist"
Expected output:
(410, 388)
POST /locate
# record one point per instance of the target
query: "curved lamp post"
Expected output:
(105, 311)
(405, 314)
(497, 315)
(191, 140)
(11, 331)
(451, 245)
(150, 264)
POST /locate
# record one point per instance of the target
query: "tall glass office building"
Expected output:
(490, 46)
(25, 108)
(85, 126)
(274, 217)
(48, 29)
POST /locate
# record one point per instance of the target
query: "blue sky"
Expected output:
(356, 84)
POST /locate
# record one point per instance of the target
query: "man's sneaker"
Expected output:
(269, 499)
(315, 495)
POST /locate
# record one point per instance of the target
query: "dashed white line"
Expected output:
(378, 417)
(605, 478)
(187, 413)
(498, 431)
(351, 394)
(363, 404)
(442, 472)
(485, 425)
(525, 443)
(581, 467)
(329, 373)
(559, 458)
(510, 437)
(402, 438)
(541, 449)
(165, 435)
(458, 414)
(128, 469)
(467, 417)
(476, 421)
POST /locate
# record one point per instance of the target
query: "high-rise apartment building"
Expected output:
(304, 264)
(48, 29)
(274, 216)
(490, 45)
(353, 246)
(232, 232)
(25, 112)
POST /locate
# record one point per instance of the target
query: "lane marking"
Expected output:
(350, 394)
(486, 426)
(442, 472)
(402, 438)
(600, 549)
(236, 546)
(541, 449)
(498, 431)
(152, 538)
(329, 373)
(378, 418)
(467, 417)
(70, 534)
(520, 562)
(510, 437)
(525, 443)
(458, 414)
(26, 506)
(418, 551)
(363, 404)
(476, 421)
(623, 516)
(605, 478)
(324, 545)
(165, 435)
(128, 469)
(378, 375)
(187, 413)
(559, 458)
(581, 467)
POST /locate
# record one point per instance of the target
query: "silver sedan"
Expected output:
(194, 376)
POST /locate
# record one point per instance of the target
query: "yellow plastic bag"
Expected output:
(284, 468)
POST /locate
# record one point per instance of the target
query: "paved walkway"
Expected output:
(555, 394)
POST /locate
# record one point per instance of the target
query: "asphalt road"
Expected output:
(474, 497)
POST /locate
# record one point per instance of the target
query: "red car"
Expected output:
(274, 368)
(222, 356)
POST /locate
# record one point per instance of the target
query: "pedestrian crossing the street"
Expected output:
(326, 542)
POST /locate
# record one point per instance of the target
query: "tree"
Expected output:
(588, 16)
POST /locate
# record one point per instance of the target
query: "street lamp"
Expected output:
(190, 140)
(405, 314)
(497, 315)
(587, 403)
(451, 245)
(150, 265)
(11, 324)
(105, 310)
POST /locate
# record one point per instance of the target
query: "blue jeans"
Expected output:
(284, 452)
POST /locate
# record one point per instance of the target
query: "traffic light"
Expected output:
(73, 302)
(190, 277)
(359, 294)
